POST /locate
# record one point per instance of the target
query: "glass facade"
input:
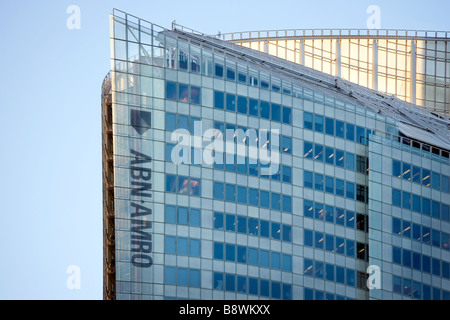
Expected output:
(412, 65)
(341, 199)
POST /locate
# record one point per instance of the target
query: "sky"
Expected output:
(50, 141)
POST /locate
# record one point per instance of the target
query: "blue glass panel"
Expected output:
(230, 280)
(183, 216)
(308, 238)
(218, 220)
(218, 281)
(242, 224)
(396, 168)
(264, 109)
(171, 90)
(219, 100)
(329, 126)
(241, 254)
(253, 286)
(183, 93)
(307, 120)
(230, 252)
(275, 262)
(350, 132)
(329, 155)
(318, 123)
(194, 278)
(275, 201)
(396, 197)
(340, 129)
(218, 250)
(276, 230)
(230, 222)
(182, 248)
(194, 248)
(253, 256)
(276, 112)
(264, 228)
(264, 258)
(218, 190)
(253, 107)
(170, 275)
(287, 115)
(265, 199)
(264, 287)
(231, 102)
(170, 245)
(318, 152)
(171, 214)
(242, 105)
(308, 150)
(253, 226)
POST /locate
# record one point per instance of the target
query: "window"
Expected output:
(318, 152)
(265, 199)
(195, 95)
(276, 112)
(308, 179)
(276, 230)
(230, 222)
(253, 197)
(308, 207)
(231, 102)
(329, 155)
(287, 203)
(170, 245)
(230, 254)
(308, 150)
(171, 183)
(287, 115)
(253, 256)
(350, 161)
(339, 187)
(230, 192)
(360, 135)
(406, 171)
(171, 214)
(340, 129)
(242, 195)
(242, 224)
(318, 181)
(318, 123)
(329, 126)
(287, 174)
(308, 120)
(253, 107)
(171, 121)
(171, 90)
(350, 132)
(265, 109)
(286, 144)
(218, 190)
(362, 164)
(242, 105)
(218, 71)
(183, 216)
(340, 158)
(218, 250)
(219, 99)
(231, 74)
(218, 221)
(183, 93)
(329, 184)
(396, 168)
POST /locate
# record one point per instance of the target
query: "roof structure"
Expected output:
(412, 120)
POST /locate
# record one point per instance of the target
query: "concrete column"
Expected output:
(375, 66)
(413, 67)
(338, 58)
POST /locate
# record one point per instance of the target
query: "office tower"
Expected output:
(341, 192)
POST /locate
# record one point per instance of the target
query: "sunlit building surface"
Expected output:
(412, 65)
(358, 207)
